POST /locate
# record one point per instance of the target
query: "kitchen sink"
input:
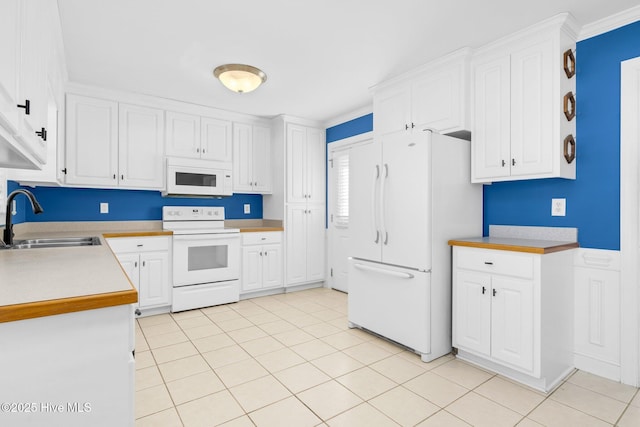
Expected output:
(58, 242)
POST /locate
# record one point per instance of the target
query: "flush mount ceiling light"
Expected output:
(239, 77)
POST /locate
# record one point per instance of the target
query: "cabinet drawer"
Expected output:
(496, 261)
(260, 238)
(138, 244)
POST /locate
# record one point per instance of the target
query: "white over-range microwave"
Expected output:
(200, 178)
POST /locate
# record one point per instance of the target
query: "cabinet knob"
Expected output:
(203, 151)
(26, 106)
(406, 126)
(504, 163)
(484, 290)
(197, 150)
(114, 176)
(488, 262)
(412, 125)
(513, 162)
(122, 177)
(494, 292)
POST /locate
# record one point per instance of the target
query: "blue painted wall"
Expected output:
(351, 128)
(593, 199)
(83, 204)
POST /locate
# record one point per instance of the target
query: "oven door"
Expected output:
(205, 258)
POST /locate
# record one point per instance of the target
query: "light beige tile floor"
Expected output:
(290, 360)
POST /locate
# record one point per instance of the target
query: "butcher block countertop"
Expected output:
(515, 245)
(48, 281)
(254, 225)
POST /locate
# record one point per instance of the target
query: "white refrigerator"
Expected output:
(409, 194)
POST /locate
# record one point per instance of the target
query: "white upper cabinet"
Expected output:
(198, 137)
(25, 37)
(251, 158)
(92, 141)
(431, 97)
(140, 147)
(216, 139)
(183, 135)
(113, 145)
(519, 123)
(305, 164)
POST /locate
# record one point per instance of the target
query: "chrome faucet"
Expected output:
(8, 227)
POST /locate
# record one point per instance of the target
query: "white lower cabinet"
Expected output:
(305, 244)
(73, 370)
(513, 313)
(146, 262)
(262, 262)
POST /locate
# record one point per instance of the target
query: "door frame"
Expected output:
(629, 217)
(333, 147)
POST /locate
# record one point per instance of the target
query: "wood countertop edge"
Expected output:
(112, 235)
(259, 229)
(515, 248)
(10, 313)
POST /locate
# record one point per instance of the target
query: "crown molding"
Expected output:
(610, 23)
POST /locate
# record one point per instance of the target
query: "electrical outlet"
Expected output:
(558, 207)
(104, 208)
(247, 208)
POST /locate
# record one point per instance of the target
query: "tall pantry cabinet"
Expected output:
(298, 159)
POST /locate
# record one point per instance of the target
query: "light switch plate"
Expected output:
(558, 207)
(247, 208)
(104, 208)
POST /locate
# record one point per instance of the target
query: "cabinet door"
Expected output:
(316, 166)
(296, 164)
(141, 132)
(216, 139)
(261, 138)
(296, 253)
(9, 52)
(130, 265)
(436, 101)
(242, 158)
(154, 279)
(315, 243)
(512, 321)
(391, 108)
(92, 141)
(531, 109)
(183, 135)
(32, 78)
(490, 146)
(251, 268)
(472, 312)
(272, 266)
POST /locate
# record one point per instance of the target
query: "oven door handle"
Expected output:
(221, 236)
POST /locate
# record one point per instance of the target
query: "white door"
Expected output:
(315, 166)
(472, 312)
(216, 139)
(141, 147)
(296, 253)
(92, 141)
(512, 321)
(338, 223)
(272, 266)
(130, 265)
(392, 107)
(261, 146)
(154, 279)
(251, 268)
(364, 183)
(315, 243)
(242, 158)
(296, 164)
(491, 147)
(183, 135)
(9, 52)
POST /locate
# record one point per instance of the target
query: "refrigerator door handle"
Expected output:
(374, 209)
(399, 274)
(382, 204)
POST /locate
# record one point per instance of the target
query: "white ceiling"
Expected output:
(321, 57)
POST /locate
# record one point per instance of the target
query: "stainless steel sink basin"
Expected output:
(58, 242)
